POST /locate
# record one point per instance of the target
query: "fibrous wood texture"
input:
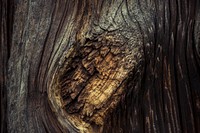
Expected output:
(100, 66)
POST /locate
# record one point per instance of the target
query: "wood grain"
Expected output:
(100, 66)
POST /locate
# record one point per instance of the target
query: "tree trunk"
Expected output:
(100, 66)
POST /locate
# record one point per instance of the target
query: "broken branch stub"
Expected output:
(92, 78)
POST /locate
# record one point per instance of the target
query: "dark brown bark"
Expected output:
(100, 66)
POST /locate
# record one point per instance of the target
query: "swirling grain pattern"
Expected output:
(100, 66)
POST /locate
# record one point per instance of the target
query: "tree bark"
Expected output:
(100, 66)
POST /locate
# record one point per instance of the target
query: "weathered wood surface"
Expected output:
(100, 66)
